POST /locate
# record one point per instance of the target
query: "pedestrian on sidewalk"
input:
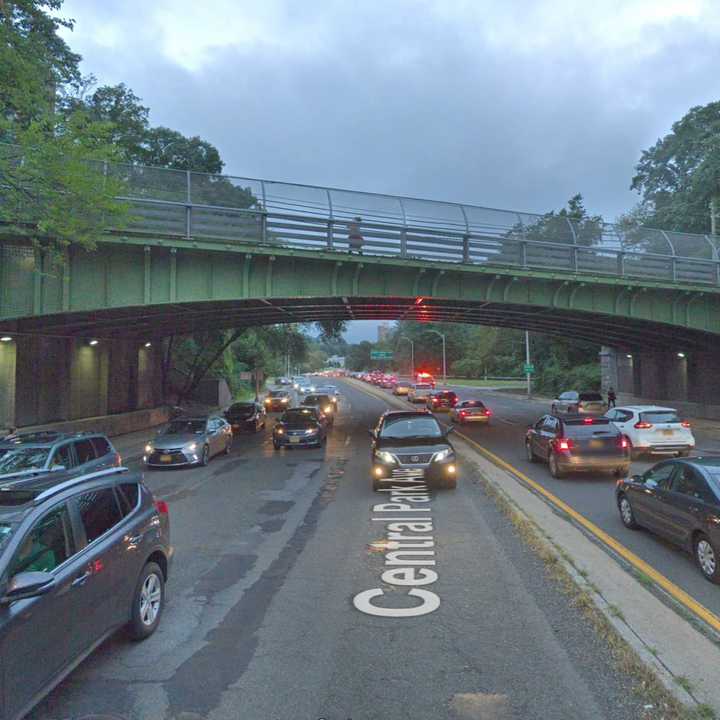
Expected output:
(611, 397)
(355, 239)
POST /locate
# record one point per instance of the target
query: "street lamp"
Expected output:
(412, 354)
(437, 332)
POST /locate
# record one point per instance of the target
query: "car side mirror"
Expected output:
(450, 430)
(27, 585)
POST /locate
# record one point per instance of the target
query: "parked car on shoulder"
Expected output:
(474, 411)
(575, 443)
(49, 451)
(442, 401)
(189, 441)
(412, 445)
(579, 403)
(300, 427)
(81, 556)
(419, 393)
(680, 501)
(246, 416)
(653, 429)
(277, 400)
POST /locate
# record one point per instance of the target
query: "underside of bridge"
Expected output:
(145, 323)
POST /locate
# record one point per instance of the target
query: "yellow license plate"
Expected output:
(596, 443)
(166, 458)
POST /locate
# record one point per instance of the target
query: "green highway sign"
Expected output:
(528, 369)
(380, 355)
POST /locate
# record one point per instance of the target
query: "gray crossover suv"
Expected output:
(81, 555)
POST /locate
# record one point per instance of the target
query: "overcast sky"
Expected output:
(516, 104)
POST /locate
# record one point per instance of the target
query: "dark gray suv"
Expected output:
(81, 555)
(26, 454)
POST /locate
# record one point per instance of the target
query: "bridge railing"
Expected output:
(179, 203)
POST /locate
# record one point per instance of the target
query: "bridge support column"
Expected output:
(89, 379)
(609, 369)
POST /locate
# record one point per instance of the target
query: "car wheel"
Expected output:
(148, 602)
(707, 558)
(276, 444)
(684, 453)
(377, 484)
(555, 470)
(530, 453)
(228, 445)
(205, 456)
(626, 513)
(449, 482)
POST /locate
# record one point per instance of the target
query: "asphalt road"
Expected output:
(590, 494)
(271, 549)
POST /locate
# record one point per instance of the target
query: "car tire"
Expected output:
(684, 453)
(627, 516)
(377, 484)
(228, 446)
(707, 558)
(449, 482)
(555, 470)
(205, 456)
(530, 453)
(276, 445)
(148, 602)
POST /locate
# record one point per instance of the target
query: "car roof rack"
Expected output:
(59, 487)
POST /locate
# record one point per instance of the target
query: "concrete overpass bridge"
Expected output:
(214, 251)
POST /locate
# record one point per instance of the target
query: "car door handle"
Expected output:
(136, 539)
(81, 579)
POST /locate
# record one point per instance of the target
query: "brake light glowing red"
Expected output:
(624, 442)
(488, 413)
(588, 421)
(563, 444)
(685, 424)
(463, 413)
(162, 507)
(641, 425)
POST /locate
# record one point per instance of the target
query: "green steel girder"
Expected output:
(145, 287)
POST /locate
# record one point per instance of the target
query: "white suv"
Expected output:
(653, 429)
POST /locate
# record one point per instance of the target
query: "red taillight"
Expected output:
(463, 413)
(588, 421)
(162, 507)
(487, 413)
(685, 424)
(641, 425)
(624, 442)
(563, 444)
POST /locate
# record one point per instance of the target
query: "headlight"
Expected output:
(268, 401)
(284, 400)
(148, 448)
(312, 388)
(443, 455)
(192, 447)
(279, 430)
(311, 431)
(385, 456)
(327, 408)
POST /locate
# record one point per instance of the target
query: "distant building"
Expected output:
(383, 333)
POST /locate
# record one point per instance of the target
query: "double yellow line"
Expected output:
(676, 592)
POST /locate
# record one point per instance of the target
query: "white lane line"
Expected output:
(347, 441)
(509, 422)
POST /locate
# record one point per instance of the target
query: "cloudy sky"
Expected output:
(513, 104)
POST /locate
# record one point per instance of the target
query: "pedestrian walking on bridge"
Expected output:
(355, 239)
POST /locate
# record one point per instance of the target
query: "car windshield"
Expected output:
(242, 408)
(26, 458)
(278, 393)
(185, 427)
(300, 419)
(591, 397)
(660, 416)
(582, 428)
(409, 427)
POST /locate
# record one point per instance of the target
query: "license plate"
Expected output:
(596, 443)
(668, 432)
(166, 458)
(235, 426)
(294, 439)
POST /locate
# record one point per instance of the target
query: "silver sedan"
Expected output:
(189, 441)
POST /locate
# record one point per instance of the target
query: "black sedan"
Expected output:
(300, 427)
(410, 447)
(277, 401)
(578, 443)
(680, 500)
(442, 401)
(246, 416)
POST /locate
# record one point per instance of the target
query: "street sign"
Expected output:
(380, 355)
(528, 368)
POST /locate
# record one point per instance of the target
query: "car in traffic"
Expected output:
(331, 390)
(652, 429)
(419, 393)
(425, 377)
(679, 500)
(49, 451)
(300, 427)
(81, 556)
(277, 400)
(282, 381)
(298, 380)
(579, 403)
(410, 445)
(323, 403)
(388, 382)
(246, 416)
(575, 443)
(402, 388)
(442, 401)
(189, 441)
(470, 411)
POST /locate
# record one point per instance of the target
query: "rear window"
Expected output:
(423, 386)
(101, 445)
(591, 397)
(658, 416)
(128, 493)
(472, 403)
(99, 512)
(85, 451)
(580, 428)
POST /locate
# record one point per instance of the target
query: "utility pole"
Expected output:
(412, 354)
(713, 215)
(527, 363)
(442, 336)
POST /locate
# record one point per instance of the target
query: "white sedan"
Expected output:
(652, 429)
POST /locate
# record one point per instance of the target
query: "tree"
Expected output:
(679, 175)
(163, 147)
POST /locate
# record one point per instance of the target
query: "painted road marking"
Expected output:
(676, 592)
(409, 549)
